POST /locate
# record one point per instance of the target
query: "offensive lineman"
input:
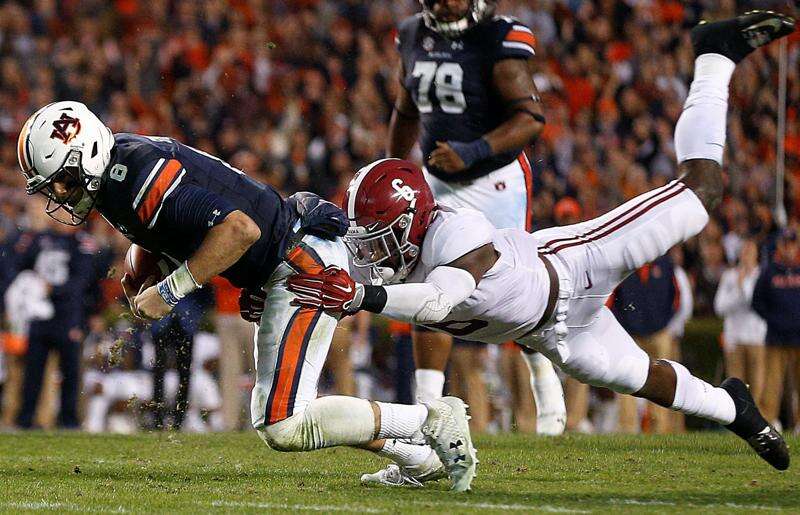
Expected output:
(466, 79)
(208, 219)
(547, 290)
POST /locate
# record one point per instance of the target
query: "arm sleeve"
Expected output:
(518, 42)
(431, 301)
(192, 208)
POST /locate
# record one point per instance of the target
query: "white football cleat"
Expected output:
(411, 475)
(392, 475)
(447, 431)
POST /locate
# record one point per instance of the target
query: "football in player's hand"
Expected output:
(141, 265)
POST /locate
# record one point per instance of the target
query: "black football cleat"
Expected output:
(737, 37)
(751, 427)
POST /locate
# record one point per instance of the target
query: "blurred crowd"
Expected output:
(298, 94)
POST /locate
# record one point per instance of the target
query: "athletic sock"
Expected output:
(401, 420)
(547, 390)
(700, 131)
(403, 453)
(693, 396)
(430, 384)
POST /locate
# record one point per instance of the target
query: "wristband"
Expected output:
(471, 152)
(166, 294)
(177, 285)
(374, 299)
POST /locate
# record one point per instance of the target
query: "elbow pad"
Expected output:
(431, 301)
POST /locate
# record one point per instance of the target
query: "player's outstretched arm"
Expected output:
(431, 301)
(404, 124)
(222, 246)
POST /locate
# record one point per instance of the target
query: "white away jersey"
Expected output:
(511, 296)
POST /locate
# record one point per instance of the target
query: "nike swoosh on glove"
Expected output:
(332, 289)
(251, 304)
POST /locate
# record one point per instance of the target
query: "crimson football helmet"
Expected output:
(390, 207)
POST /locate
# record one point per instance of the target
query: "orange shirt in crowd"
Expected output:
(226, 296)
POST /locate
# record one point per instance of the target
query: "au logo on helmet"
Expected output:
(66, 128)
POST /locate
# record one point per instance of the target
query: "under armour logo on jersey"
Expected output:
(403, 191)
(500, 185)
(456, 444)
(214, 215)
(66, 128)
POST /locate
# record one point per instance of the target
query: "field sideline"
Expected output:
(71, 472)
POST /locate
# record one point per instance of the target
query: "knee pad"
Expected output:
(626, 373)
(286, 435)
(326, 422)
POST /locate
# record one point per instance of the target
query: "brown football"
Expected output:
(141, 264)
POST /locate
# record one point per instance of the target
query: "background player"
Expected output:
(466, 79)
(548, 290)
(209, 219)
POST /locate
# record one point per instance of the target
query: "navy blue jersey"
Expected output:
(70, 263)
(166, 196)
(450, 81)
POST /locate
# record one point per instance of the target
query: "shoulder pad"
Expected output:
(407, 29)
(458, 232)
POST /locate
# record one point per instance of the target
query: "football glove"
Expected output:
(251, 304)
(332, 289)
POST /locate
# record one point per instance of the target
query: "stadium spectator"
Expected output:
(644, 304)
(173, 338)
(235, 354)
(67, 263)
(776, 298)
(743, 331)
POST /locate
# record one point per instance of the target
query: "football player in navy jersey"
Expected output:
(467, 92)
(211, 219)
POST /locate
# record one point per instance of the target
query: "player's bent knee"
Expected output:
(287, 435)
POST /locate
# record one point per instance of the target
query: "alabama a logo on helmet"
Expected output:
(66, 128)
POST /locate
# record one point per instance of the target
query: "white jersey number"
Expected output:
(448, 79)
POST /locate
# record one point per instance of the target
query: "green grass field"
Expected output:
(71, 472)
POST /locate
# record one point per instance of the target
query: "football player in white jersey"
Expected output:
(451, 270)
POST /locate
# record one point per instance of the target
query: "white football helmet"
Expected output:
(65, 138)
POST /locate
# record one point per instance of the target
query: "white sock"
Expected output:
(700, 131)
(401, 420)
(403, 453)
(430, 384)
(693, 396)
(547, 390)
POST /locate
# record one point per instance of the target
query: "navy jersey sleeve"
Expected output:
(516, 40)
(192, 208)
